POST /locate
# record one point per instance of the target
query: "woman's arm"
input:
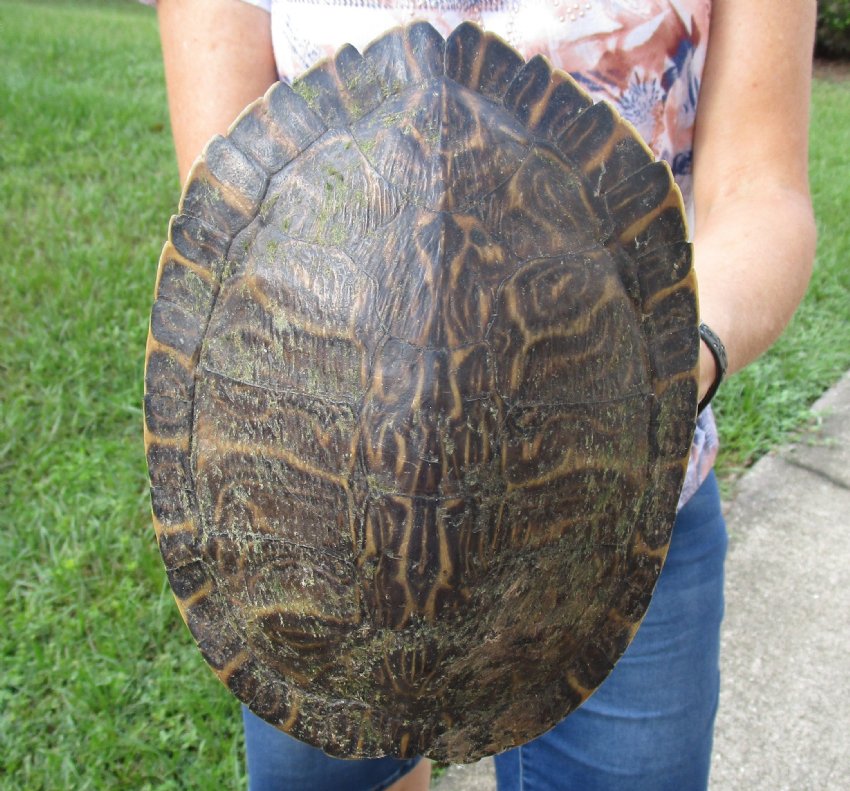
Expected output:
(754, 236)
(218, 58)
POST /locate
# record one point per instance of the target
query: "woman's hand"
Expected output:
(218, 58)
(754, 234)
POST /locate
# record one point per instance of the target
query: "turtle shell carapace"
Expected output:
(420, 390)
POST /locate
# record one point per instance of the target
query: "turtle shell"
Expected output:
(420, 390)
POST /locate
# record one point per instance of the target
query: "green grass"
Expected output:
(100, 684)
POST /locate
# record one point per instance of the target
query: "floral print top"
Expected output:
(643, 56)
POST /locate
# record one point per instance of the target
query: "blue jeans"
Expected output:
(277, 762)
(648, 727)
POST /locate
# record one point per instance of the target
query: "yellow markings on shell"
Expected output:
(456, 412)
(416, 401)
(673, 200)
(578, 325)
(540, 106)
(404, 548)
(640, 547)
(445, 566)
(445, 572)
(233, 665)
(575, 684)
(688, 283)
(662, 385)
(183, 359)
(181, 442)
(170, 253)
(404, 552)
(258, 450)
(228, 194)
(401, 460)
(198, 596)
(294, 713)
(370, 549)
(164, 531)
(570, 463)
(258, 517)
(602, 155)
(556, 79)
(304, 604)
(250, 283)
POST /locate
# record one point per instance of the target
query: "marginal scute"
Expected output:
(179, 549)
(210, 202)
(194, 241)
(662, 267)
(621, 157)
(673, 353)
(188, 580)
(667, 227)
(256, 133)
(232, 169)
(172, 507)
(654, 531)
(423, 340)
(672, 309)
(293, 117)
(272, 703)
(638, 199)
(166, 373)
(169, 466)
(244, 678)
(224, 187)
(168, 417)
(562, 101)
(583, 140)
(185, 284)
(222, 649)
(406, 56)
(528, 89)
(464, 54)
(359, 82)
(340, 90)
(672, 437)
(480, 61)
(176, 327)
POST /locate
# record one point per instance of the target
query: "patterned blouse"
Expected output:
(643, 56)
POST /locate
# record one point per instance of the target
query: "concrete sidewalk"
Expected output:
(784, 719)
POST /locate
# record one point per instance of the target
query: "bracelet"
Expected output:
(718, 351)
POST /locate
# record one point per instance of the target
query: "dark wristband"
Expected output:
(718, 351)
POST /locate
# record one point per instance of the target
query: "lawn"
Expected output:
(100, 684)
